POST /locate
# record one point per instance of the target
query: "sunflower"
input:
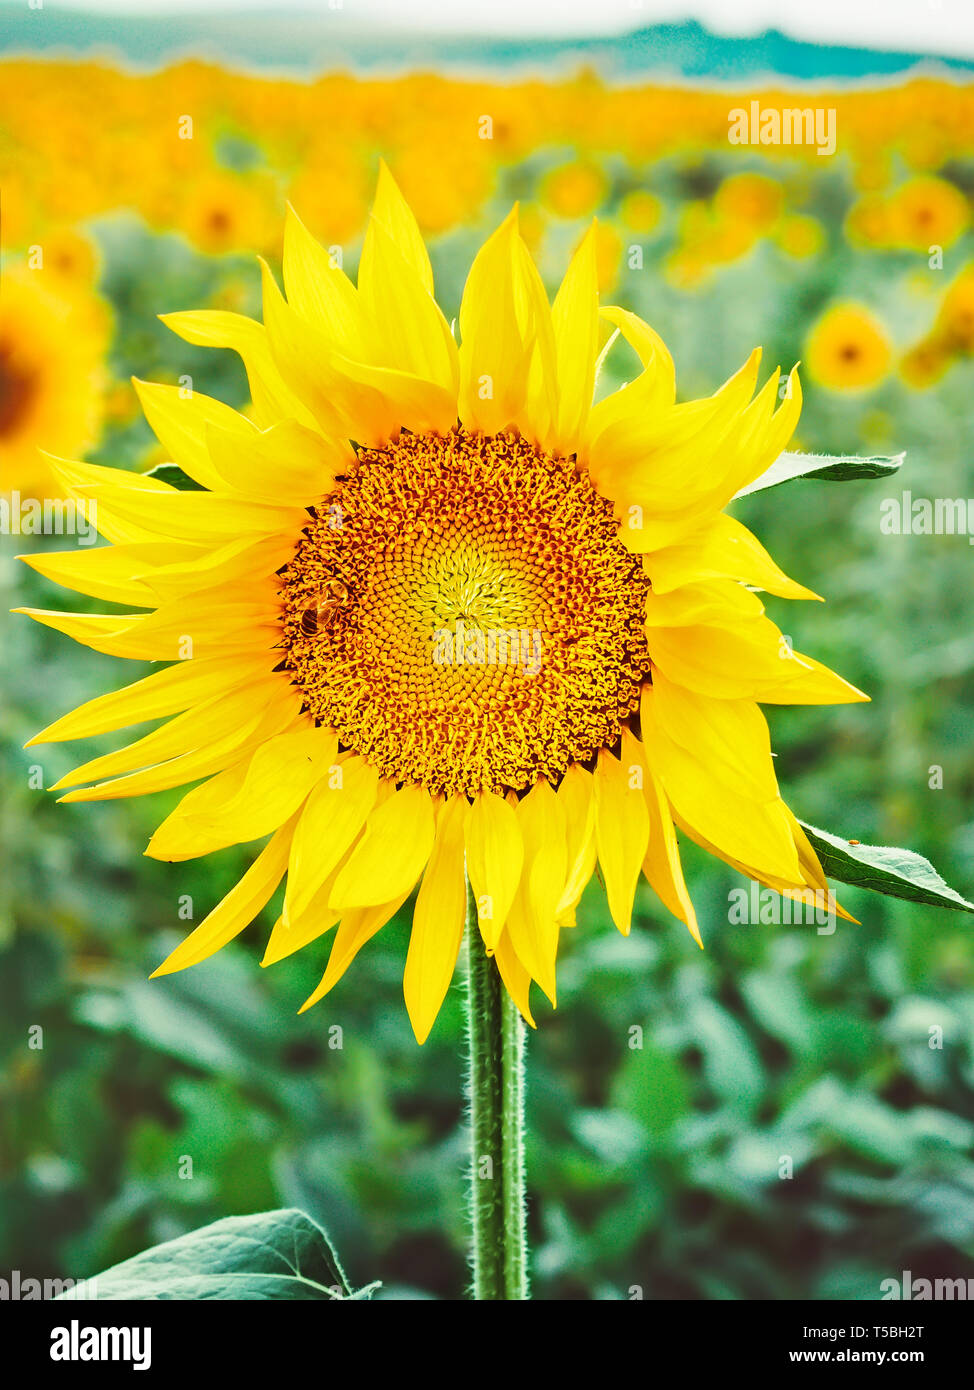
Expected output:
(925, 363)
(574, 190)
(640, 211)
(848, 350)
(928, 212)
(53, 339)
(224, 211)
(433, 614)
(751, 198)
(955, 320)
(800, 236)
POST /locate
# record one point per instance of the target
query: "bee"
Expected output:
(318, 615)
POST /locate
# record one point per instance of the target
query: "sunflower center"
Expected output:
(462, 612)
(16, 388)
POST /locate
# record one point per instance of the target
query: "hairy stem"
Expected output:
(495, 1078)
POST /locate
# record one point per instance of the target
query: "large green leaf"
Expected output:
(899, 873)
(172, 474)
(272, 1255)
(830, 468)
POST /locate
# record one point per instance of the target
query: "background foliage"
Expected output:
(658, 1166)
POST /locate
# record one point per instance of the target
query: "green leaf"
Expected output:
(172, 474)
(272, 1255)
(730, 1061)
(829, 468)
(652, 1087)
(872, 1128)
(899, 873)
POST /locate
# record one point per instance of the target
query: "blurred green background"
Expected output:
(655, 1168)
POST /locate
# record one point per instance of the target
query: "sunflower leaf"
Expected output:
(172, 474)
(899, 873)
(272, 1255)
(830, 468)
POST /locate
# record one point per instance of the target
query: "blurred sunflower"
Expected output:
(70, 253)
(924, 364)
(955, 321)
(928, 212)
(750, 198)
(53, 339)
(800, 236)
(221, 211)
(868, 222)
(504, 630)
(574, 190)
(640, 211)
(848, 350)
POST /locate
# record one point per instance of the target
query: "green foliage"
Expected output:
(273, 1255)
(823, 468)
(881, 869)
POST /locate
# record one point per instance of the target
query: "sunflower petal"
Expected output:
(532, 921)
(495, 856)
(319, 290)
(391, 854)
(517, 979)
(164, 692)
(577, 792)
(279, 776)
(331, 821)
(575, 316)
(285, 463)
(238, 909)
(355, 929)
(416, 336)
(494, 355)
(105, 573)
(751, 829)
(662, 865)
(272, 399)
(721, 549)
(195, 729)
(438, 921)
(621, 826)
(179, 420)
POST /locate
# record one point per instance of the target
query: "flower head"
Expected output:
(433, 611)
(53, 337)
(848, 349)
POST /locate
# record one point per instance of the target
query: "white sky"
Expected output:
(944, 26)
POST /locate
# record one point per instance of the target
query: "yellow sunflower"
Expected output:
(640, 211)
(800, 236)
(848, 350)
(750, 198)
(223, 211)
(434, 612)
(955, 321)
(926, 212)
(574, 190)
(53, 339)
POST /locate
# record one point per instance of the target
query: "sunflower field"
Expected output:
(788, 1113)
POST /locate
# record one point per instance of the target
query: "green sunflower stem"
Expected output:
(495, 1081)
